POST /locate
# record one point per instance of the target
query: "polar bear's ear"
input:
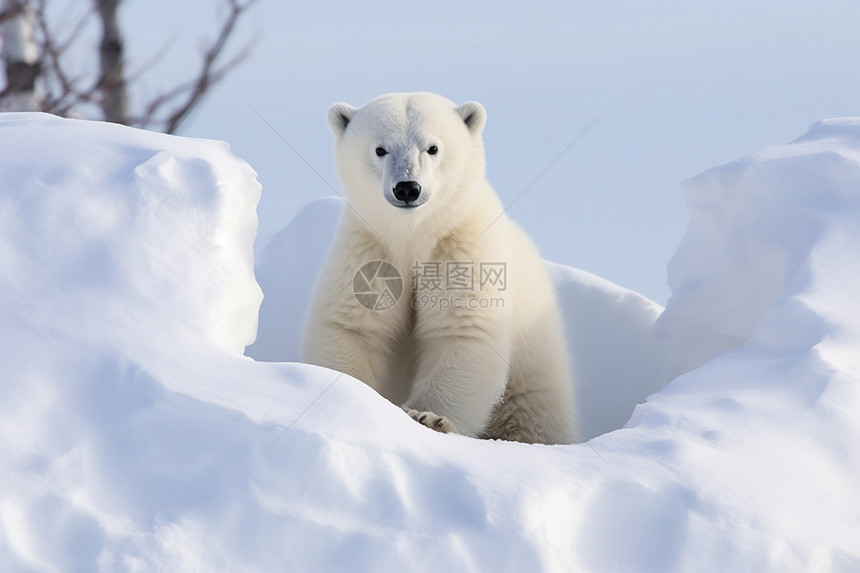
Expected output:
(474, 116)
(339, 115)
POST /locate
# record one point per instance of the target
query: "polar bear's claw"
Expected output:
(433, 421)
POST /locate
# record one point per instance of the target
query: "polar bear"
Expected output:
(431, 295)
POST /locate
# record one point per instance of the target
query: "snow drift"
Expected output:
(136, 437)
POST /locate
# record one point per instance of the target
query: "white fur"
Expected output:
(498, 372)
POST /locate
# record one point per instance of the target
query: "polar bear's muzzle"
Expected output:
(407, 194)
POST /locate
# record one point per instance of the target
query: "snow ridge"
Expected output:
(135, 436)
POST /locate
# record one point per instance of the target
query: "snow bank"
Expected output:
(764, 325)
(768, 236)
(136, 437)
(91, 216)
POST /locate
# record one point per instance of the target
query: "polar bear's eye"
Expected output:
(433, 150)
(380, 151)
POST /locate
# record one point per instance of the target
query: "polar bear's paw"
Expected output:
(433, 421)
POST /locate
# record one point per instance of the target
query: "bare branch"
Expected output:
(68, 96)
(76, 30)
(214, 77)
(12, 9)
(150, 63)
(65, 89)
(208, 75)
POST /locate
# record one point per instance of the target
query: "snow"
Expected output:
(136, 436)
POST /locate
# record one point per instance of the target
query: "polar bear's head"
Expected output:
(407, 152)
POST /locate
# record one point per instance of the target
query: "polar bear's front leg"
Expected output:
(341, 333)
(352, 352)
(462, 367)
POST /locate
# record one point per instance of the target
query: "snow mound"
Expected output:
(135, 436)
(769, 251)
(617, 361)
(88, 222)
(287, 272)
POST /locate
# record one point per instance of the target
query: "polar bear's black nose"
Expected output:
(407, 191)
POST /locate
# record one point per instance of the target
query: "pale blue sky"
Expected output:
(685, 86)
